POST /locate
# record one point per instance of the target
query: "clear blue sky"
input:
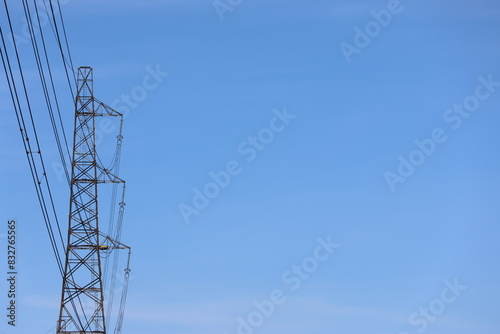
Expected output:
(383, 143)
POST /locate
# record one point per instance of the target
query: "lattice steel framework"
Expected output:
(82, 301)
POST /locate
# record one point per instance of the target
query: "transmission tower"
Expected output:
(82, 301)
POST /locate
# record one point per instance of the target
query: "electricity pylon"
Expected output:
(82, 300)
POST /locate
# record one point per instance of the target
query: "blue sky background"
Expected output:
(323, 175)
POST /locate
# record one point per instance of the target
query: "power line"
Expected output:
(45, 85)
(58, 38)
(38, 176)
(54, 125)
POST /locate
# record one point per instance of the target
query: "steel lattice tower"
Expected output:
(82, 301)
